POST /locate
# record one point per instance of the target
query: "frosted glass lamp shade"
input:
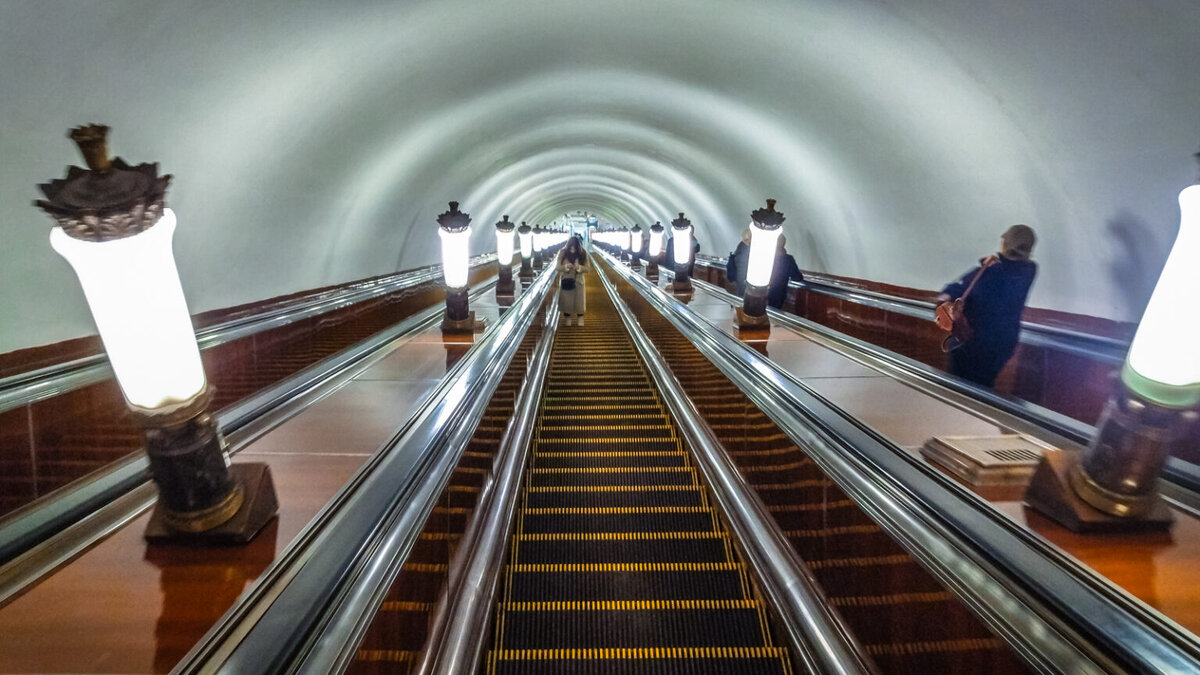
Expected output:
(762, 255)
(132, 288)
(1163, 362)
(656, 244)
(526, 244)
(683, 245)
(504, 247)
(455, 256)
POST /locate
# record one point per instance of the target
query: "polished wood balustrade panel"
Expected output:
(124, 606)
(1069, 384)
(51, 443)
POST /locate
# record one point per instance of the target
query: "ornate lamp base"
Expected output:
(258, 505)
(467, 325)
(1051, 492)
(745, 321)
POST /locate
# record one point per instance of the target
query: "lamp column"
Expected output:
(765, 227)
(525, 238)
(454, 228)
(635, 247)
(504, 257)
(114, 228)
(681, 231)
(654, 252)
(539, 246)
(1113, 486)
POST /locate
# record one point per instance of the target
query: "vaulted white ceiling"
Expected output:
(314, 143)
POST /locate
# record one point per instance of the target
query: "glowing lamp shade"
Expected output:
(683, 245)
(624, 238)
(526, 244)
(1164, 363)
(635, 242)
(455, 256)
(656, 243)
(762, 255)
(132, 287)
(504, 247)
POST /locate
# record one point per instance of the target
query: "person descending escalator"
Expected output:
(735, 266)
(993, 294)
(572, 265)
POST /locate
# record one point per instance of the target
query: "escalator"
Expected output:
(619, 563)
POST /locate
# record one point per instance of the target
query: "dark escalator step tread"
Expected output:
(699, 521)
(562, 551)
(759, 661)
(625, 478)
(695, 623)
(625, 498)
(679, 581)
(599, 432)
(641, 444)
(613, 458)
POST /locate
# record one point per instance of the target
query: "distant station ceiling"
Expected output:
(314, 143)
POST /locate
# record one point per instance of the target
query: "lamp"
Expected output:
(623, 243)
(1113, 485)
(504, 256)
(635, 247)
(113, 227)
(765, 227)
(681, 231)
(525, 237)
(654, 252)
(539, 247)
(454, 228)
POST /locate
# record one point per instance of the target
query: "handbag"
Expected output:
(949, 315)
(568, 283)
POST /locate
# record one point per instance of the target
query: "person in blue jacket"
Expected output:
(993, 307)
(785, 270)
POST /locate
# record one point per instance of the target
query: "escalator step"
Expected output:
(631, 624)
(618, 522)
(679, 581)
(741, 661)
(626, 497)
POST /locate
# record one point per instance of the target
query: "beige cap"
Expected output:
(1017, 242)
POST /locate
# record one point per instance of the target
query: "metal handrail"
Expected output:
(817, 633)
(50, 531)
(309, 610)
(50, 381)
(459, 628)
(1058, 614)
(1096, 347)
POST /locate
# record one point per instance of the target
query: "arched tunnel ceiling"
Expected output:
(314, 143)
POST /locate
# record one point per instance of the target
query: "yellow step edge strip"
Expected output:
(612, 453)
(608, 427)
(893, 599)
(940, 646)
(626, 605)
(613, 488)
(614, 469)
(400, 606)
(606, 440)
(647, 416)
(551, 568)
(639, 653)
(612, 510)
(619, 536)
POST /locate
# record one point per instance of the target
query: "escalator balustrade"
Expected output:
(904, 618)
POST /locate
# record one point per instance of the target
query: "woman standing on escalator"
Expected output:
(572, 265)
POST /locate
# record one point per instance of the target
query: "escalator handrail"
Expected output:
(458, 631)
(43, 383)
(1051, 608)
(40, 536)
(817, 633)
(320, 594)
(1096, 347)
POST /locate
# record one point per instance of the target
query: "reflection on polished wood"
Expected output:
(1162, 570)
(125, 607)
